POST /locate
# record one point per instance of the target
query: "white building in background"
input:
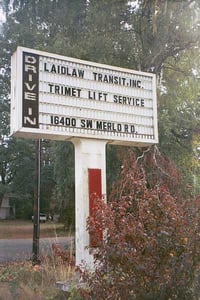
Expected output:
(7, 211)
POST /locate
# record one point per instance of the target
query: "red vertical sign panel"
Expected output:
(95, 191)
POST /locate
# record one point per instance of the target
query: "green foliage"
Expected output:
(22, 171)
(64, 192)
(147, 36)
(179, 111)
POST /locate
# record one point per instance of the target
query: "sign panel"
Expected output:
(58, 97)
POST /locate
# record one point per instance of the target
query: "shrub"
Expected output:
(151, 249)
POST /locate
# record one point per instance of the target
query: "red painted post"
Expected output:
(95, 192)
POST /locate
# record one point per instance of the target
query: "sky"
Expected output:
(2, 16)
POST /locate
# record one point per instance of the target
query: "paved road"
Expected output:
(20, 249)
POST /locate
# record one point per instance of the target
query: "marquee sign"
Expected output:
(58, 97)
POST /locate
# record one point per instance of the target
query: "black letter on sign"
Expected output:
(30, 90)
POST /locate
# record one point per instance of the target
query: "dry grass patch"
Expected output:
(22, 280)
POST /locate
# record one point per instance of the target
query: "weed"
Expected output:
(22, 280)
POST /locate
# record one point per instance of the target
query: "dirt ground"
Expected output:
(14, 229)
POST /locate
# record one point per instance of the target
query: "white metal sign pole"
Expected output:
(89, 154)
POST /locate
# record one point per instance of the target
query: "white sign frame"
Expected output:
(105, 102)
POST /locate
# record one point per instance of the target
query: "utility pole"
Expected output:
(36, 208)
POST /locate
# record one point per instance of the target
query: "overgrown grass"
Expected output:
(22, 280)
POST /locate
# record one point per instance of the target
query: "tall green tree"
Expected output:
(151, 36)
(64, 176)
(143, 35)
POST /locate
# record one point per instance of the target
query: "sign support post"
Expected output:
(89, 154)
(91, 104)
(36, 207)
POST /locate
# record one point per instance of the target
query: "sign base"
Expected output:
(89, 154)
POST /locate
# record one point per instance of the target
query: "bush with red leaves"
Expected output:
(151, 248)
